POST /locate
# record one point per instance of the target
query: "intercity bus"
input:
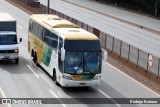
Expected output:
(71, 55)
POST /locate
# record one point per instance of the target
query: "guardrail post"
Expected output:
(96, 32)
(158, 66)
(128, 53)
(87, 27)
(137, 58)
(48, 6)
(41, 9)
(82, 25)
(112, 44)
(120, 49)
(147, 62)
(105, 40)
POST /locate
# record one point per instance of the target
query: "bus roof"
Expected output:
(52, 21)
(63, 28)
(76, 34)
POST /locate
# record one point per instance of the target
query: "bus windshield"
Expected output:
(82, 62)
(8, 39)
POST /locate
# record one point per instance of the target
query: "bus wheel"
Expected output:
(32, 54)
(17, 60)
(35, 59)
(55, 77)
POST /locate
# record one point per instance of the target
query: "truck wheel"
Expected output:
(17, 60)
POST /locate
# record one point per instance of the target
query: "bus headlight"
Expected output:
(67, 77)
(16, 50)
(97, 77)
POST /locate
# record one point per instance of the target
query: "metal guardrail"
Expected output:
(131, 53)
(33, 4)
(124, 50)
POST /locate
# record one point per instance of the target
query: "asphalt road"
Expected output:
(142, 39)
(120, 13)
(25, 80)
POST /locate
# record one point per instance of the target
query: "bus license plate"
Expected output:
(76, 77)
(82, 83)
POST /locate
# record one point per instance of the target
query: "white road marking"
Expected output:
(33, 71)
(133, 79)
(53, 94)
(57, 97)
(108, 97)
(4, 96)
(20, 27)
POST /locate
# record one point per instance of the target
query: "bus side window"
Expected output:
(54, 41)
(30, 26)
(45, 37)
(60, 63)
(33, 28)
(51, 39)
(40, 31)
(43, 31)
(60, 44)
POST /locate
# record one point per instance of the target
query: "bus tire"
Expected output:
(55, 77)
(35, 59)
(32, 54)
(17, 60)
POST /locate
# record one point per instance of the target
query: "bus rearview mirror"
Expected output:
(63, 52)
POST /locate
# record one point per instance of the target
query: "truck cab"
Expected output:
(9, 46)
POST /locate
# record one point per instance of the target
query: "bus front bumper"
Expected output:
(73, 83)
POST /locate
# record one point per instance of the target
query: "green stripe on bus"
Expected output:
(47, 55)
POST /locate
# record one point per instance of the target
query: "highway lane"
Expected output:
(144, 40)
(18, 81)
(143, 20)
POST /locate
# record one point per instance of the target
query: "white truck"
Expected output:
(9, 46)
